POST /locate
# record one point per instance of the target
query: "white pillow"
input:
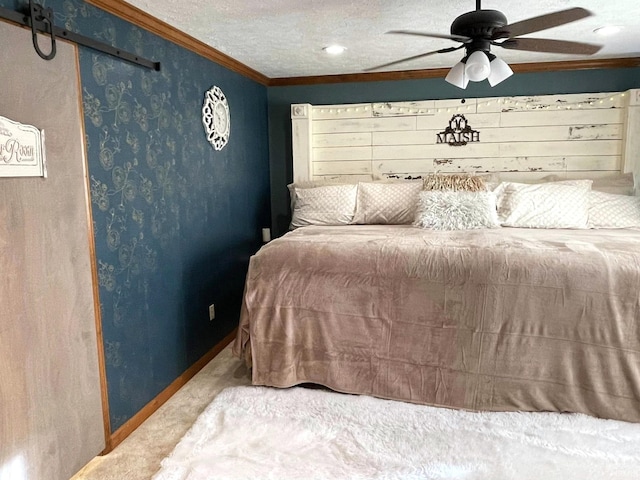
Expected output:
(545, 205)
(492, 185)
(608, 210)
(312, 184)
(461, 210)
(327, 205)
(387, 203)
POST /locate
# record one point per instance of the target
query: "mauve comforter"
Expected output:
(504, 319)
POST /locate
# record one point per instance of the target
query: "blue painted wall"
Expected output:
(175, 221)
(280, 99)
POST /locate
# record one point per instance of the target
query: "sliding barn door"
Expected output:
(51, 421)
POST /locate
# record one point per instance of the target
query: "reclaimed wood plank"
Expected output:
(342, 168)
(351, 139)
(364, 125)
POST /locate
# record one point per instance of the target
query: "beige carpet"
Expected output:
(138, 457)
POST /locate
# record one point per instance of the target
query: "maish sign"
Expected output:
(458, 133)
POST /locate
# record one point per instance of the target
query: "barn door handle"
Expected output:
(45, 15)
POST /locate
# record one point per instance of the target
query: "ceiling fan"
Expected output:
(480, 29)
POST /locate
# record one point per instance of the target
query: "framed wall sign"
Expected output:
(21, 150)
(216, 118)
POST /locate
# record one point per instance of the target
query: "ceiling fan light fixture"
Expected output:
(500, 71)
(457, 76)
(479, 30)
(477, 68)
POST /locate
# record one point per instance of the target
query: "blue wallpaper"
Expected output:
(175, 221)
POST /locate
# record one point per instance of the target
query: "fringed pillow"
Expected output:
(451, 210)
(454, 182)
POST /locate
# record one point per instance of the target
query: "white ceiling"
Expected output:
(284, 38)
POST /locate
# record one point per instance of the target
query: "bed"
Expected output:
(501, 319)
(513, 317)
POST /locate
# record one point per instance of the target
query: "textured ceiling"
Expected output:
(284, 38)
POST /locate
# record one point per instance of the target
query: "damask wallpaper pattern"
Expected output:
(175, 221)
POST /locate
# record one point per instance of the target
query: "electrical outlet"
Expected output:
(212, 312)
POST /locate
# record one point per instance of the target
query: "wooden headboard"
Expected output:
(572, 136)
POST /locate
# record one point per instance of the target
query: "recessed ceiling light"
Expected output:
(334, 49)
(607, 30)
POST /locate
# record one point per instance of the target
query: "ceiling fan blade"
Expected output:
(415, 57)
(550, 46)
(542, 22)
(456, 38)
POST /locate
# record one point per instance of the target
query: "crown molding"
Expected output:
(138, 17)
(442, 72)
(589, 64)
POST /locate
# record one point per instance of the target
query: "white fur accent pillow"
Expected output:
(547, 205)
(608, 210)
(387, 203)
(450, 210)
(326, 205)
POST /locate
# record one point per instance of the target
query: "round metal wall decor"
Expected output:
(215, 117)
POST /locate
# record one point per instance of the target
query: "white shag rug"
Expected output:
(298, 433)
